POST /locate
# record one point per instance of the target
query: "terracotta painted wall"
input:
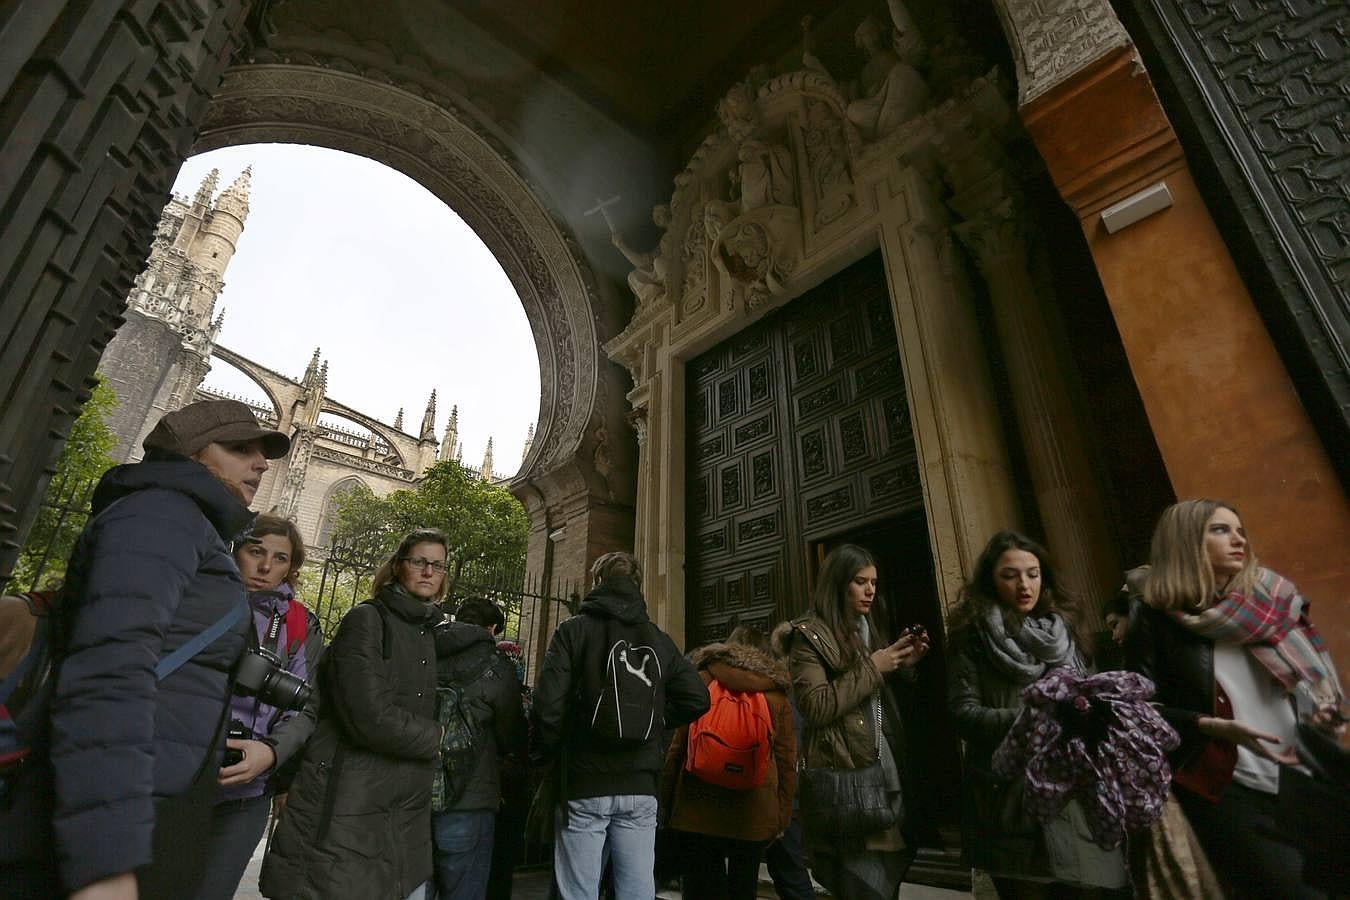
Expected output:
(1220, 402)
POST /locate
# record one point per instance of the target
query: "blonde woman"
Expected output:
(1230, 647)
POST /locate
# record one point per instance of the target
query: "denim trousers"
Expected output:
(624, 825)
(463, 840)
(236, 828)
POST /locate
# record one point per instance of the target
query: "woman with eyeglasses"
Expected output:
(357, 821)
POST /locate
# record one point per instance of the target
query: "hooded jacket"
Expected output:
(357, 822)
(574, 668)
(285, 731)
(466, 656)
(150, 571)
(758, 814)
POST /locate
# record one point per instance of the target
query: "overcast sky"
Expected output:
(345, 254)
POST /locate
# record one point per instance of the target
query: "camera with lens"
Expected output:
(260, 675)
(239, 732)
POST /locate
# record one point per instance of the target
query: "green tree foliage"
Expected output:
(86, 455)
(487, 527)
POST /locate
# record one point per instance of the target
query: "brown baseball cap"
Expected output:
(187, 430)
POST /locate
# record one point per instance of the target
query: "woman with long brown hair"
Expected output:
(1013, 625)
(840, 660)
(357, 822)
(1232, 651)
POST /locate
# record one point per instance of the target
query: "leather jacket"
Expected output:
(1181, 664)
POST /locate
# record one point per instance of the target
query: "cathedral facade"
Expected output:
(797, 271)
(162, 354)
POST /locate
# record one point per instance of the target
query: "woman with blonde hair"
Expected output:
(357, 822)
(1231, 649)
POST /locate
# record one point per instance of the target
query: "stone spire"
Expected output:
(323, 377)
(451, 434)
(398, 419)
(207, 189)
(486, 472)
(529, 442)
(234, 199)
(429, 420)
(311, 370)
(459, 453)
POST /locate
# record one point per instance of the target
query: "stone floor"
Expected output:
(534, 884)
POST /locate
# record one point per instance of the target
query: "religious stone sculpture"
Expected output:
(765, 174)
(648, 278)
(889, 90)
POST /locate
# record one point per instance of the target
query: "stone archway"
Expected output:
(436, 148)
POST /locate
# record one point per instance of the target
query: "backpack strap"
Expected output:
(200, 641)
(297, 626)
(35, 650)
(386, 648)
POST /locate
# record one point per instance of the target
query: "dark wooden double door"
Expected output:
(798, 432)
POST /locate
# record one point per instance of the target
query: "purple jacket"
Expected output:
(285, 731)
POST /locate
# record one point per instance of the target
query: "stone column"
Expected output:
(1062, 478)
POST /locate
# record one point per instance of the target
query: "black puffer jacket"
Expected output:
(575, 667)
(357, 821)
(151, 570)
(466, 655)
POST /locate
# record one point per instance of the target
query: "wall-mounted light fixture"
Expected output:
(1136, 206)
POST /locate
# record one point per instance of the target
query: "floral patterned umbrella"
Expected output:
(1094, 738)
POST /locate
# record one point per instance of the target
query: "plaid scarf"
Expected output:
(1271, 621)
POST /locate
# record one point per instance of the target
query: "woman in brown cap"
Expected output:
(128, 736)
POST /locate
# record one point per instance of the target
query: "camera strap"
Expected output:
(272, 641)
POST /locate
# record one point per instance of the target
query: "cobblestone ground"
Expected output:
(533, 885)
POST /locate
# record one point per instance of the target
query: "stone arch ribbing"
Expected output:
(437, 148)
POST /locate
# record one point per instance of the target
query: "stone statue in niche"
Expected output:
(648, 278)
(889, 90)
(765, 175)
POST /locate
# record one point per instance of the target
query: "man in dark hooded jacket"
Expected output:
(489, 691)
(608, 787)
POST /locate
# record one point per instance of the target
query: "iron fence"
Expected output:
(62, 514)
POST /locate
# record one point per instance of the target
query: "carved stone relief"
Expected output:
(1053, 39)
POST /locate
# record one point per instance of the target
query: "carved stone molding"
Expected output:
(440, 149)
(1053, 39)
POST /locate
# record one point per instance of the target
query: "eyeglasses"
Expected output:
(421, 562)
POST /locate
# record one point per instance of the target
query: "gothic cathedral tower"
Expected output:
(162, 352)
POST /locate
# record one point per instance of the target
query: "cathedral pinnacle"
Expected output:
(323, 377)
(398, 419)
(451, 434)
(486, 471)
(529, 443)
(429, 420)
(312, 370)
(207, 189)
(234, 199)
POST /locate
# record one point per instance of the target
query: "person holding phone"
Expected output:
(840, 660)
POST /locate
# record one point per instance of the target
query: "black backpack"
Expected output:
(625, 711)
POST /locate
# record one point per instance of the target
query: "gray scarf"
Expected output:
(1024, 654)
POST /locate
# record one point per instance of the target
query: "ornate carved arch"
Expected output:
(435, 145)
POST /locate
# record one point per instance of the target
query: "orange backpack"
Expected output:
(730, 745)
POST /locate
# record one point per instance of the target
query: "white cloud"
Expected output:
(346, 254)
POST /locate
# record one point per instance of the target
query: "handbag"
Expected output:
(1167, 861)
(848, 803)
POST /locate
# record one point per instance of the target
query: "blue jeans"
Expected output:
(463, 840)
(626, 826)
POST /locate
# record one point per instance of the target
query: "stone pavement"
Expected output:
(533, 884)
